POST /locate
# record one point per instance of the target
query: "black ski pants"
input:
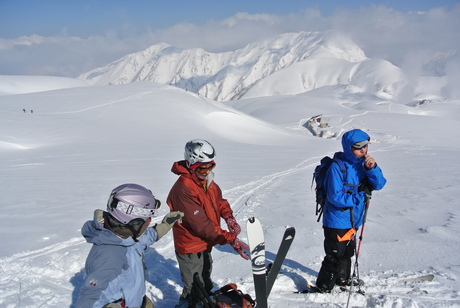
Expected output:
(336, 265)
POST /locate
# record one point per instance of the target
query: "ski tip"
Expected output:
(429, 277)
(252, 219)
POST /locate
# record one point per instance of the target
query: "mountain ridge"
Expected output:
(308, 59)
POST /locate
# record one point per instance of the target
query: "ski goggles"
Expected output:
(203, 170)
(125, 212)
(137, 211)
(360, 145)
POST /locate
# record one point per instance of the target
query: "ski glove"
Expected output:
(239, 246)
(167, 223)
(232, 225)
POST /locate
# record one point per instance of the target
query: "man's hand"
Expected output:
(239, 246)
(369, 162)
(232, 225)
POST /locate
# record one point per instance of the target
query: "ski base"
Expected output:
(313, 289)
(274, 268)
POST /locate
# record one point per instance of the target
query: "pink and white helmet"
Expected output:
(131, 201)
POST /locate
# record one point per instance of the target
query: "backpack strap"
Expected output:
(343, 168)
(226, 288)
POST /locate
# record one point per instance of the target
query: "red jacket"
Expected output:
(200, 228)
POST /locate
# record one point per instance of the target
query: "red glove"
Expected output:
(239, 246)
(232, 225)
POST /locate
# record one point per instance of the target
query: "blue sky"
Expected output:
(89, 17)
(70, 37)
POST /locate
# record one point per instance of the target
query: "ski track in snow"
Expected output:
(55, 273)
(245, 192)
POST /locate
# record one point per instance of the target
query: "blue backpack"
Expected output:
(319, 176)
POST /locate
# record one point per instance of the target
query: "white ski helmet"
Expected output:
(131, 201)
(199, 151)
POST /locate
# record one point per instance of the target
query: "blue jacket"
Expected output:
(340, 197)
(114, 266)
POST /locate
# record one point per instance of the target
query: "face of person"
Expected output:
(360, 153)
(202, 171)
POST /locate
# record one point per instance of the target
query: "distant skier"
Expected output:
(115, 265)
(345, 206)
(197, 195)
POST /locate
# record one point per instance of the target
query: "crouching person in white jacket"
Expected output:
(115, 266)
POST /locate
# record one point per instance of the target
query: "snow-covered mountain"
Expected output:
(301, 61)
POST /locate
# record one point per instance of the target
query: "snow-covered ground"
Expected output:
(60, 163)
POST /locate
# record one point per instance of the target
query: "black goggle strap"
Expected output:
(112, 203)
(157, 204)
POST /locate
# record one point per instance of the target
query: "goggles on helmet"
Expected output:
(126, 212)
(137, 211)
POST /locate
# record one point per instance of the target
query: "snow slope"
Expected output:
(60, 163)
(27, 84)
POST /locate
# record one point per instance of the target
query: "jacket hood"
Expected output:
(351, 137)
(95, 233)
(180, 167)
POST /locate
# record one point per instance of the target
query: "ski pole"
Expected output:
(368, 195)
(361, 234)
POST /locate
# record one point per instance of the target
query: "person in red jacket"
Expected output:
(197, 195)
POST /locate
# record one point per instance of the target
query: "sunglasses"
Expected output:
(359, 148)
(203, 170)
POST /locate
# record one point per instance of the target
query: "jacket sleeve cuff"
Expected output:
(227, 216)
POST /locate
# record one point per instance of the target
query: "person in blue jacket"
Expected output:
(115, 266)
(345, 206)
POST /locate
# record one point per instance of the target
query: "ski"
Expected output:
(283, 249)
(312, 289)
(257, 247)
(309, 289)
(429, 277)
